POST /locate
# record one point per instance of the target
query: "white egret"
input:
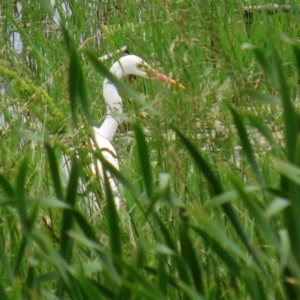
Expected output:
(126, 65)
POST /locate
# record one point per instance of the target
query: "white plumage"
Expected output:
(126, 65)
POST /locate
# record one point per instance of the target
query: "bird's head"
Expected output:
(134, 65)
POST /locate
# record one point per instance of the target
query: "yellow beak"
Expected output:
(164, 78)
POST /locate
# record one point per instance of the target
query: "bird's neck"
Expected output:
(108, 127)
(114, 109)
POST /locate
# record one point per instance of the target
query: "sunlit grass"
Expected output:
(209, 175)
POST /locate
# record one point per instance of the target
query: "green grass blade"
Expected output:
(91, 243)
(104, 290)
(232, 262)
(214, 184)
(136, 284)
(162, 276)
(54, 171)
(77, 87)
(144, 160)
(113, 221)
(31, 279)
(20, 202)
(73, 77)
(263, 98)
(217, 190)
(276, 74)
(258, 214)
(118, 175)
(254, 286)
(296, 51)
(85, 226)
(89, 290)
(264, 130)
(6, 265)
(3, 294)
(190, 257)
(66, 242)
(267, 67)
(247, 148)
(179, 263)
(289, 170)
(291, 123)
(20, 199)
(9, 190)
(291, 186)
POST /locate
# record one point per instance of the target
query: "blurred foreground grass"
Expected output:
(218, 216)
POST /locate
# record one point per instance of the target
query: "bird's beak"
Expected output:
(164, 78)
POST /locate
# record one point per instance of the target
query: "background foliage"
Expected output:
(210, 175)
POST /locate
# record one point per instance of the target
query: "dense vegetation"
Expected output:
(210, 176)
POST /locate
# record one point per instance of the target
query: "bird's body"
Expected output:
(126, 65)
(109, 154)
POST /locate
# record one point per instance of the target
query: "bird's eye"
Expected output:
(140, 65)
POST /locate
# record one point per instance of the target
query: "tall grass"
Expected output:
(210, 175)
